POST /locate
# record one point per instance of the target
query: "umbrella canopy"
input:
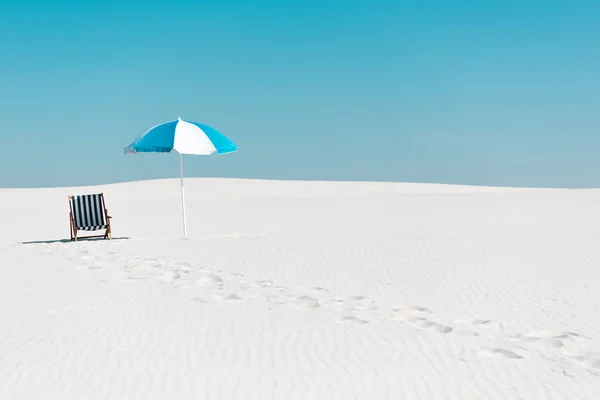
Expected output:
(184, 137)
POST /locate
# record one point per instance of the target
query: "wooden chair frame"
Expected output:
(73, 226)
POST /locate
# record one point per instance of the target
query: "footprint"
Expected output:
(348, 319)
(544, 339)
(418, 309)
(421, 309)
(352, 303)
(198, 300)
(306, 302)
(273, 301)
(356, 298)
(336, 301)
(467, 333)
(568, 335)
(134, 278)
(476, 326)
(170, 276)
(498, 351)
(479, 322)
(264, 284)
(210, 280)
(549, 341)
(363, 300)
(430, 325)
(224, 296)
(591, 360)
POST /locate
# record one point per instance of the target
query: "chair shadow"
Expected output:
(83, 239)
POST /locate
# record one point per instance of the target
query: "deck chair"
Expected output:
(88, 213)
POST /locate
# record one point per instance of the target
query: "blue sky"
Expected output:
(468, 92)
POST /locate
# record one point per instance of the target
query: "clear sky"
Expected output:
(468, 92)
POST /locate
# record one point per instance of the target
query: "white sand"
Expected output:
(300, 290)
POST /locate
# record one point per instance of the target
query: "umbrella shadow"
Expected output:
(70, 241)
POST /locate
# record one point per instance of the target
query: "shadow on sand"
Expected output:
(78, 240)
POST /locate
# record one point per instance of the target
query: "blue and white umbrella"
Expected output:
(184, 137)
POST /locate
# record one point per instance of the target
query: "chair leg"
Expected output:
(73, 230)
(108, 227)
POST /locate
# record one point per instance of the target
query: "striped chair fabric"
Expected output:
(88, 212)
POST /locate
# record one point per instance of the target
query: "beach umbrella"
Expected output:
(184, 137)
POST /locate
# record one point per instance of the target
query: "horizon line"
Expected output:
(335, 181)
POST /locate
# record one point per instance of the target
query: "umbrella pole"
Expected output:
(182, 195)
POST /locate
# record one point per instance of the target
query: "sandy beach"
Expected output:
(302, 290)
